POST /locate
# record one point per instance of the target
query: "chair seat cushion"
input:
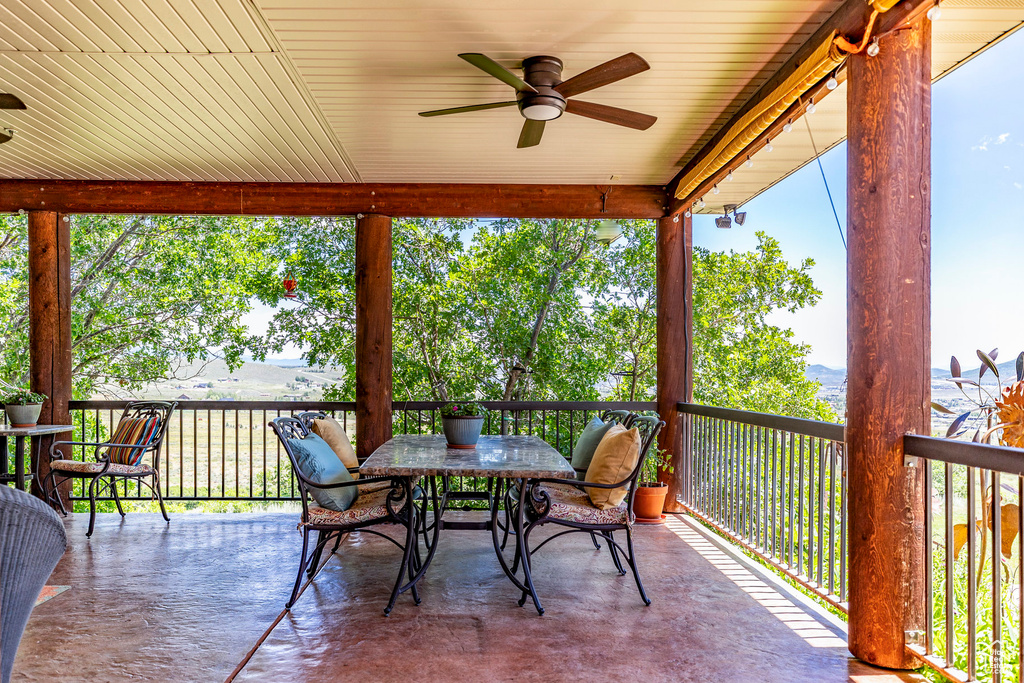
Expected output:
(95, 467)
(569, 504)
(367, 508)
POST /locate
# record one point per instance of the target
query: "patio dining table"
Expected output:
(500, 459)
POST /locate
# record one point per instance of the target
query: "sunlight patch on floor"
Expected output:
(812, 631)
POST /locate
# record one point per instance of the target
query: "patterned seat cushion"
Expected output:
(570, 504)
(370, 506)
(95, 467)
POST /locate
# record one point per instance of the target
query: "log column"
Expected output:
(373, 332)
(49, 327)
(889, 339)
(675, 348)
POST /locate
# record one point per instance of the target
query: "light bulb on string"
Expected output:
(728, 177)
(811, 108)
(934, 13)
(687, 214)
(788, 127)
(831, 83)
(715, 190)
(701, 203)
(873, 48)
(749, 163)
(768, 146)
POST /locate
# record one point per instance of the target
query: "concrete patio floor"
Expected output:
(187, 601)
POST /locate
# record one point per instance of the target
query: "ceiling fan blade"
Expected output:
(5, 134)
(485, 63)
(472, 107)
(9, 101)
(531, 133)
(602, 112)
(603, 74)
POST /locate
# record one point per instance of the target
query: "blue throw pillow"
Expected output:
(583, 451)
(318, 463)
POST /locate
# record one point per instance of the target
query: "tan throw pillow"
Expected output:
(613, 461)
(331, 431)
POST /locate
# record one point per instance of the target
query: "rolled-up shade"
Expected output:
(823, 61)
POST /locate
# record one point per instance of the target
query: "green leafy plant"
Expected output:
(22, 398)
(463, 409)
(656, 462)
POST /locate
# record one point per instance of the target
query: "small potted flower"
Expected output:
(463, 421)
(649, 501)
(23, 408)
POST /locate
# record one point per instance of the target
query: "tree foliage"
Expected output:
(507, 309)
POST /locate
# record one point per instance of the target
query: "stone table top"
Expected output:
(412, 455)
(38, 430)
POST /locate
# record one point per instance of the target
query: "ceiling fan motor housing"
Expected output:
(543, 73)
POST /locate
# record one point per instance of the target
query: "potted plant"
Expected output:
(649, 500)
(23, 407)
(463, 422)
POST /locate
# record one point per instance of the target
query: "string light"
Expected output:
(715, 190)
(728, 177)
(873, 48)
(701, 203)
(934, 13)
(687, 214)
(749, 163)
(811, 108)
(788, 126)
(768, 146)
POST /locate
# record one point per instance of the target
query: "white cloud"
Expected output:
(983, 144)
(1018, 186)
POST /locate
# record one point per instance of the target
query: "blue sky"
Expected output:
(977, 219)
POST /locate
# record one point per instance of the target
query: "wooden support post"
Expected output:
(675, 347)
(889, 337)
(49, 327)
(373, 332)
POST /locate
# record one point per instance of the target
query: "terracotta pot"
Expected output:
(23, 415)
(462, 432)
(649, 501)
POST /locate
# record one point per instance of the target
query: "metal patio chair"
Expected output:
(558, 501)
(114, 460)
(388, 505)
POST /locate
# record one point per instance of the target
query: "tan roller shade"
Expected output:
(823, 61)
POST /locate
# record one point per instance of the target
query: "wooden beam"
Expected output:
(431, 200)
(49, 328)
(373, 333)
(675, 348)
(889, 337)
(848, 20)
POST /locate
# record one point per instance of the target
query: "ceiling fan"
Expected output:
(8, 101)
(542, 95)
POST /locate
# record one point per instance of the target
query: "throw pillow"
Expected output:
(318, 463)
(331, 431)
(590, 437)
(614, 460)
(139, 431)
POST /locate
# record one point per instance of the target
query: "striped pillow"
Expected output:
(132, 430)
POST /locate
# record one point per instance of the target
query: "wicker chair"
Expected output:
(32, 540)
(105, 472)
(387, 505)
(556, 501)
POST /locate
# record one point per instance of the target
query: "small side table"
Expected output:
(20, 434)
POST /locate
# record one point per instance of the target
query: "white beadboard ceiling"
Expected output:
(328, 90)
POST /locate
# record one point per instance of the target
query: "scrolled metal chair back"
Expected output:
(623, 417)
(306, 418)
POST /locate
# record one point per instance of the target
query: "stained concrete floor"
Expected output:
(187, 601)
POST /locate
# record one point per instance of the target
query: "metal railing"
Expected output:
(974, 559)
(774, 485)
(224, 450)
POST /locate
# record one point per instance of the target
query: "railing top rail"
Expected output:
(396, 405)
(984, 456)
(797, 425)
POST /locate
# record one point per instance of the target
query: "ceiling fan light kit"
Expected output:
(542, 95)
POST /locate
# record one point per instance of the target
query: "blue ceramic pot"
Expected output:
(462, 432)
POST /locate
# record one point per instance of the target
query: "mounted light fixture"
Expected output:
(607, 232)
(723, 222)
(740, 217)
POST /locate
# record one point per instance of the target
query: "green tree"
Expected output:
(147, 292)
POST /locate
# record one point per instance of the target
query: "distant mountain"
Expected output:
(828, 377)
